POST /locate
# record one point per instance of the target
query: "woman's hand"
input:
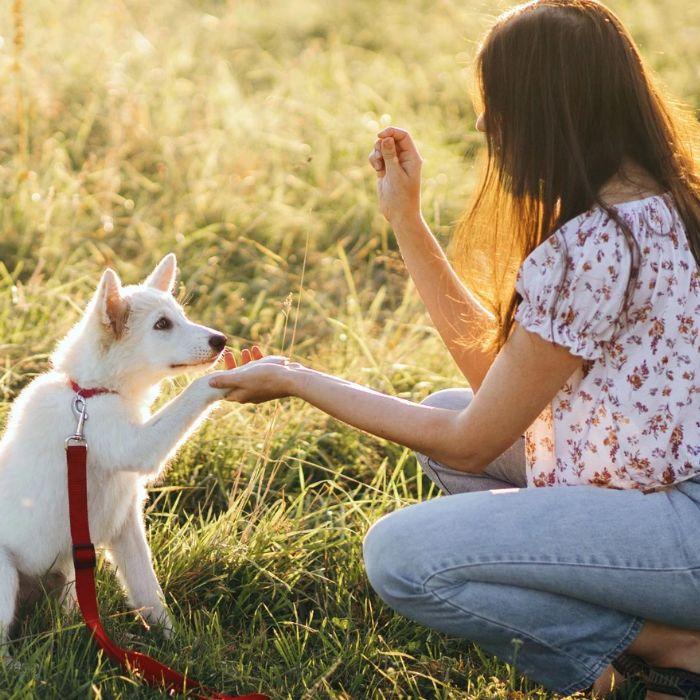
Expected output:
(397, 163)
(259, 379)
(255, 353)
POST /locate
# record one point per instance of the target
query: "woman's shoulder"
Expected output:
(655, 213)
(596, 237)
(588, 239)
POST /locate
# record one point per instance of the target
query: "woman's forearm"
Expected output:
(432, 431)
(455, 312)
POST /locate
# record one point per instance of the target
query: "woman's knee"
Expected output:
(389, 563)
(506, 471)
(454, 400)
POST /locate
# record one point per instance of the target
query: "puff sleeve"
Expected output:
(580, 310)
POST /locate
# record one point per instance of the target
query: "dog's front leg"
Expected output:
(150, 445)
(9, 590)
(131, 555)
(68, 594)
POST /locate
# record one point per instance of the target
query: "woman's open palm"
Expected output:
(257, 379)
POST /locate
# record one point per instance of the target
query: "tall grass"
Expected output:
(236, 135)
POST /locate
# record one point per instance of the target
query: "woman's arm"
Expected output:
(525, 376)
(454, 311)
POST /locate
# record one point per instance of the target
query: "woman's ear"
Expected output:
(111, 307)
(164, 274)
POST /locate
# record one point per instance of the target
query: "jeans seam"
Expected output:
(514, 630)
(437, 475)
(560, 563)
(589, 679)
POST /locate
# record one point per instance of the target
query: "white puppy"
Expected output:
(128, 341)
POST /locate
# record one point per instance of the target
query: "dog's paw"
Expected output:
(69, 601)
(209, 394)
(8, 664)
(163, 627)
(159, 621)
(166, 630)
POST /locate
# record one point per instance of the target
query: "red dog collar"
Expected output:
(88, 393)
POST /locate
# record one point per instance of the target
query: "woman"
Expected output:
(589, 377)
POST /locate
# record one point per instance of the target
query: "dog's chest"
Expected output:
(109, 499)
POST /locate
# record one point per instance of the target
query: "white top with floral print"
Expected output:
(630, 416)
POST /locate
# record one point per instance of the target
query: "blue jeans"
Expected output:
(556, 581)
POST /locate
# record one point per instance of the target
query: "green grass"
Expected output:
(236, 135)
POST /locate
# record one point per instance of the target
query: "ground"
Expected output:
(236, 135)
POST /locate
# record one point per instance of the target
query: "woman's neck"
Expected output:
(629, 183)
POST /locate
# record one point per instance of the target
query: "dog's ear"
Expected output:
(164, 274)
(111, 306)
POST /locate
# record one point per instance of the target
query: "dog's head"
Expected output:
(137, 335)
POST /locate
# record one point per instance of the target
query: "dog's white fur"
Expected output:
(115, 346)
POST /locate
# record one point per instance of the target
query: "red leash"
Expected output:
(151, 671)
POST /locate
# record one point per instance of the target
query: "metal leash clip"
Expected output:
(79, 407)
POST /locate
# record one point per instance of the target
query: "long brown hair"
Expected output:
(567, 101)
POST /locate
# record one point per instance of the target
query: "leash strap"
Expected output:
(151, 671)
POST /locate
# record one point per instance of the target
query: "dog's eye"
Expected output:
(163, 324)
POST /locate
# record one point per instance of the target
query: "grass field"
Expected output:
(236, 135)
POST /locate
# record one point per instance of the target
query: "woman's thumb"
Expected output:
(391, 160)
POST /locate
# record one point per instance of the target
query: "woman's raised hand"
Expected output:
(397, 163)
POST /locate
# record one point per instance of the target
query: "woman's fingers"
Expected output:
(375, 158)
(223, 381)
(255, 353)
(390, 155)
(392, 149)
(400, 135)
(405, 146)
(229, 359)
(236, 395)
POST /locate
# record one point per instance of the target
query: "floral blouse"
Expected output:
(630, 416)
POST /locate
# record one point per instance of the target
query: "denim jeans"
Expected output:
(556, 581)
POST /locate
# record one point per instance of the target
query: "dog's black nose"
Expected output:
(217, 341)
